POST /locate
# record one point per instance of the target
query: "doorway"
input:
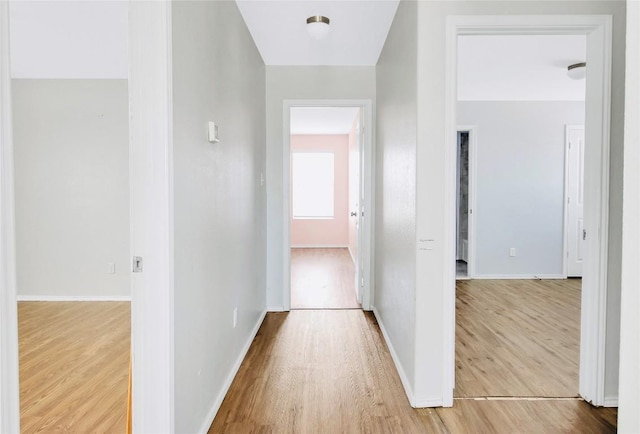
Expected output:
(66, 267)
(325, 191)
(593, 312)
(520, 185)
(465, 181)
(334, 224)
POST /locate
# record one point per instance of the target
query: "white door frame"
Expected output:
(9, 368)
(473, 164)
(565, 240)
(598, 29)
(367, 181)
(151, 201)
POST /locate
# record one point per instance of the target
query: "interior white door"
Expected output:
(575, 200)
(355, 195)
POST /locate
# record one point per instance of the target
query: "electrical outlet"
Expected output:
(261, 179)
(111, 268)
(512, 252)
(235, 317)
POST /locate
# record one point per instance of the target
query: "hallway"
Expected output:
(331, 371)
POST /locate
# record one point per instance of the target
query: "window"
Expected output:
(312, 181)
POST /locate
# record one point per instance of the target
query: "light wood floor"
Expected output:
(517, 338)
(74, 360)
(322, 279)
(330, 371)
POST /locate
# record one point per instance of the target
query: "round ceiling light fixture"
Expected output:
(577, 71)
(318, 26)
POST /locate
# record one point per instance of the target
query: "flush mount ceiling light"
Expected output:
(577, 71)
(318, 26)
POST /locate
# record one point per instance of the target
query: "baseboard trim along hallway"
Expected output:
(234, 371)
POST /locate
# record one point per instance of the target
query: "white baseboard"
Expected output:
(353, 257)
(275, 309)
(427, 402)
(611, 401)
(403, 377)
(234, 371)
(324, 246)
(74, 298)
(517, 276)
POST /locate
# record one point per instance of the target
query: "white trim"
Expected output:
(367, 206)
(9, 386)
(396, 361)
(610, 401)
(353, 257)
(211, 415)
(275, 309)
(55, 298)
(598, 29)
(427, 402)
(518, 276)
(473, 179)
(151, 205)
(316, 246)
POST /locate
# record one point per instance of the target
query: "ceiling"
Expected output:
(519, 68)
(69, 39)
(88, 39)
(323, 120)
(357, 33)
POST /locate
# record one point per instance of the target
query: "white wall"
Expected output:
(520, 149)
(628, 414)
(290, 83)
(395, 242)
(72, 187)
(432, 156)
(220, 218)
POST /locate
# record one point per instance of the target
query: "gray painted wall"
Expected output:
(220, 220)
(395, 242)
(431, 157)
(72, 187)
(299, 82)
(520, 151)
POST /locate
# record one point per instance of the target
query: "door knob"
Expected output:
(354, 214)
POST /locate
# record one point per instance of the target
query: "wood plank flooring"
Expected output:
(318, 371)
(517, 338)
(330, 371)
(74, 360)
(322, 279)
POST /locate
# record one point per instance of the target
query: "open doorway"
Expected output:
(325, 191)
(518, 296)
(464, 202)
(70, 124)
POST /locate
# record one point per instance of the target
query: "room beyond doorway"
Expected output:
(328, 174)
(322, 279)
(325, 207)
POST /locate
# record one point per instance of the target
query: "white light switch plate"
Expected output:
(213, 133)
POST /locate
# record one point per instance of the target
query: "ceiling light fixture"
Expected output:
(318, 26)
(577, 71)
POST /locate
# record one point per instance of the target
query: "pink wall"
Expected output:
(325, 232)
(354, 186)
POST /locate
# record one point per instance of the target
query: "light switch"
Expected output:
(213, 133)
